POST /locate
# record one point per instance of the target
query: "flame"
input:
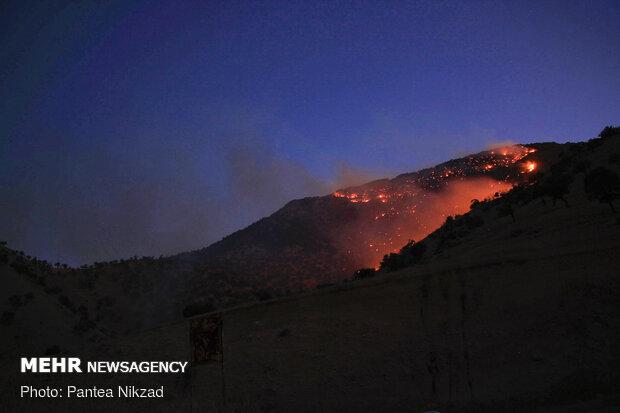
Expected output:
(353, 197)
(529, 166)
(412, 207)
(383, 227)
(497, 158)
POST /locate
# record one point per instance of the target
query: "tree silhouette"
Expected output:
(364, 273)
(557, 186)
(609, 131)
(505, 209)
(604, 185)
(392, 262)
(408, 255)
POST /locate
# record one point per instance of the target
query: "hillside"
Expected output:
(309, 242)
(505, 310)
(512, 315)
(354, 227)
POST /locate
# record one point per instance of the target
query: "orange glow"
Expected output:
(389, 212)
(529, 166)
(381, 228)
(502, 157)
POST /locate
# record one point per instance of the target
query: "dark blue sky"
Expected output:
(155, 127)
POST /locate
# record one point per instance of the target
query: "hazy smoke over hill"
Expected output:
(384, 227)
(106, 205)
(261, 182)
(156, 206)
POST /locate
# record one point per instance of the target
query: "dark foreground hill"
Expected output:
(511, 307)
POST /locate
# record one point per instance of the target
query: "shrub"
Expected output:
(66, 302)
(364, 273)
(473, 221)
(594, 143)
(16, 301)
(603, 185)
(609, 131)
(520, 194)
(581, 166)
(84, 322)
(7, 318)
(505, 209)
(52, 290)
(392, 262)
(557, 186)
(408, 255)
(413, 249)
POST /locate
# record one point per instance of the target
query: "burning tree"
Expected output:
(604, 185)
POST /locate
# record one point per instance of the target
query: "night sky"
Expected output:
(152, 128)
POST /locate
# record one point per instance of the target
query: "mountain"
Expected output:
(319, 240)
(309, 242)
(510, 306)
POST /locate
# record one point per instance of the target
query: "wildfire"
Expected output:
(353, 197)
(529, 167)
(413, 205)
(483, 163)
